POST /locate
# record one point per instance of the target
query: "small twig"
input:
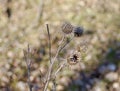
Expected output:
(62, 39)
(40, 12)
(49, 42)
(54, 85)
(59, 48)
(66, 44)
(28, 64)
(58, 70)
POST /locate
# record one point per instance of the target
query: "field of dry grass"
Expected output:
(23, 22)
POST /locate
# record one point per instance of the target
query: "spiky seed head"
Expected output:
(67, 28)
(73, 58)
(78, 31)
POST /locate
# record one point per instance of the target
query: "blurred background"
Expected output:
(23, 22)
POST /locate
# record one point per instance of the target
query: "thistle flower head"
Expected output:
(67, 28)
(73, 58)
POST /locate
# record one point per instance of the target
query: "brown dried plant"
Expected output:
(72, 59)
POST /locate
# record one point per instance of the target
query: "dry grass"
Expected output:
(25, 24)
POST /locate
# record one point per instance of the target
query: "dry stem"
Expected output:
(28, 64)
(61, 46)
(51, 65)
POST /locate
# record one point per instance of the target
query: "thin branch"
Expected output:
(58, 70)
(66, 44)
(49, 44)
(28, 64)
(40, 11)
(54, 85)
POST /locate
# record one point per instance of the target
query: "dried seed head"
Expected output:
(78, 31)
(67, 28)
(74, 58)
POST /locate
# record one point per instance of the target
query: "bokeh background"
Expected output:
(23, 22)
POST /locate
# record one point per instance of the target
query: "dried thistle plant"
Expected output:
(72, 59)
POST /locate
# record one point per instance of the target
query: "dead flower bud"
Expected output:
(74, 58)
(78, 31)
(67, 28)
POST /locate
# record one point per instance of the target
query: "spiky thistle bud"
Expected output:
(67, 28)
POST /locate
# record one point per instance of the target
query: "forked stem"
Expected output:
(60, 48)
(51, 65)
